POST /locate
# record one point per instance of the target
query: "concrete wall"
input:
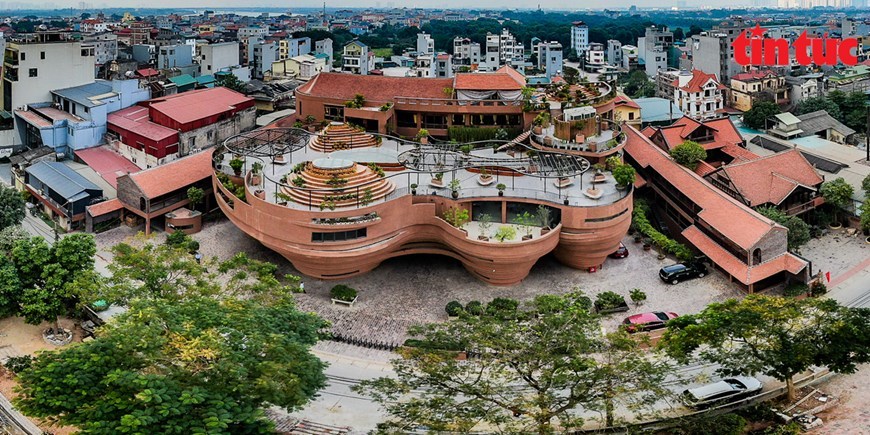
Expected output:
(216, 57)
(214, 134)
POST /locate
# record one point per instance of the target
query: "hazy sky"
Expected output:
(490, 4)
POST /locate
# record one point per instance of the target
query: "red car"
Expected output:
(647, 321)
(621, 252)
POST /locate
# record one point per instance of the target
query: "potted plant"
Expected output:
(438, 181)
(484, 222)
(456, 216)
(501, 187)
(610, 302)
(545, 218)
(413, 188)
(638, 238)
(525, 221)
(647, 244)
(423, 136)
(454, 309)
(624, 176)
(312, 123)
(298, 124)
(342, 294)
(237, 165)
(256, 179)
(455, 186)
(505, 233)
(484, 179)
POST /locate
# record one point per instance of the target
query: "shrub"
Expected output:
(795, 289)
(453, 308)
(624, 175)
(501, 187)
(549, 303)
(466, 149)
(819, 288)
(177, 239)
(17, 364)
(502, 307)
(192, 246)
(342, 293)
(608, 300)
(475, 308)
(637, 295)
(505, 233)
(456, 216)
(237, 165)
(681, 251)
(688, 154)
(726, 424)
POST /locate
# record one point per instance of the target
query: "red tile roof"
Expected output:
(107, 163)
(174, 175)
(496, 81)
(374, 88)
(620, 100)
(733, 266)
(698, 81)
(105, 207)
(724, 132)
(704, 168)
(771, 179)
(147, 72)
(753, 75)
(732, 219)
(135, 119)
(739, 153)
(199, 104)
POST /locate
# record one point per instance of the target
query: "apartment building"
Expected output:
(595, 56)
(293, 47)
(550, 58)
(105, 47)
(653, 49)
(261, 55)
(465, 52)
(613, 56)
(579, 37)
(712, 51)
(425, 44)
(324, 46)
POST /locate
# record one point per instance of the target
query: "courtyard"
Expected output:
(413, 289)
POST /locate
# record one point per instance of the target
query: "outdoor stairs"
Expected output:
(362, 178)
(341, 137)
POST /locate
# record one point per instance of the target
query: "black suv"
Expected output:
(682, 271)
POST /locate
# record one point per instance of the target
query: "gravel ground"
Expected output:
(412, 289)
(836, 252)
(852, 415)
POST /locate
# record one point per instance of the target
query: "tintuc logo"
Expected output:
(775, 51)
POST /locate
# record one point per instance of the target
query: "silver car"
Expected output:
(726, 390)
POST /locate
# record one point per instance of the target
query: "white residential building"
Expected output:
(247, 32)
(324, 46)
(465, 52)
(105, 47)
(425, 44)
(216, 57)
(595, 56)
(501, 49)
(699, 95)
(355, 58)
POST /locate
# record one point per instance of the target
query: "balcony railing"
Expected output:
(454, 102)
(800, 208)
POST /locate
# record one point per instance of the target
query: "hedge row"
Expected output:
(671, 246)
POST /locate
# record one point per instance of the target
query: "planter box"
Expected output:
(343, 302)
(485, 181)
(619, 309)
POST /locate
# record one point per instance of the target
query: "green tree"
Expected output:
(11, 207)
(230, 81)
(865, 186)
(838, 193)
(179, 367)
(160, 271)
(798, 230)
(779, 337)
(195, 195)
(813, 104)
(757, 116)
(48, 275)
(865, 215)
(9, 236)
(537, 373)
(688, 154)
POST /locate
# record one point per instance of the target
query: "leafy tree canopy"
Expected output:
(688, 154)
(179, 367)
(757, 116)
(780, 337)
(798, 230)
(536, 370)
(11, 207)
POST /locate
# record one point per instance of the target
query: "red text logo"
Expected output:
(808, 50)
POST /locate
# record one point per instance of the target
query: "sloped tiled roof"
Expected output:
(772, 178)
(174, 175)
(814, 122)
(726, 215)
(373, 88)
(698, 81)
(724, 132)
